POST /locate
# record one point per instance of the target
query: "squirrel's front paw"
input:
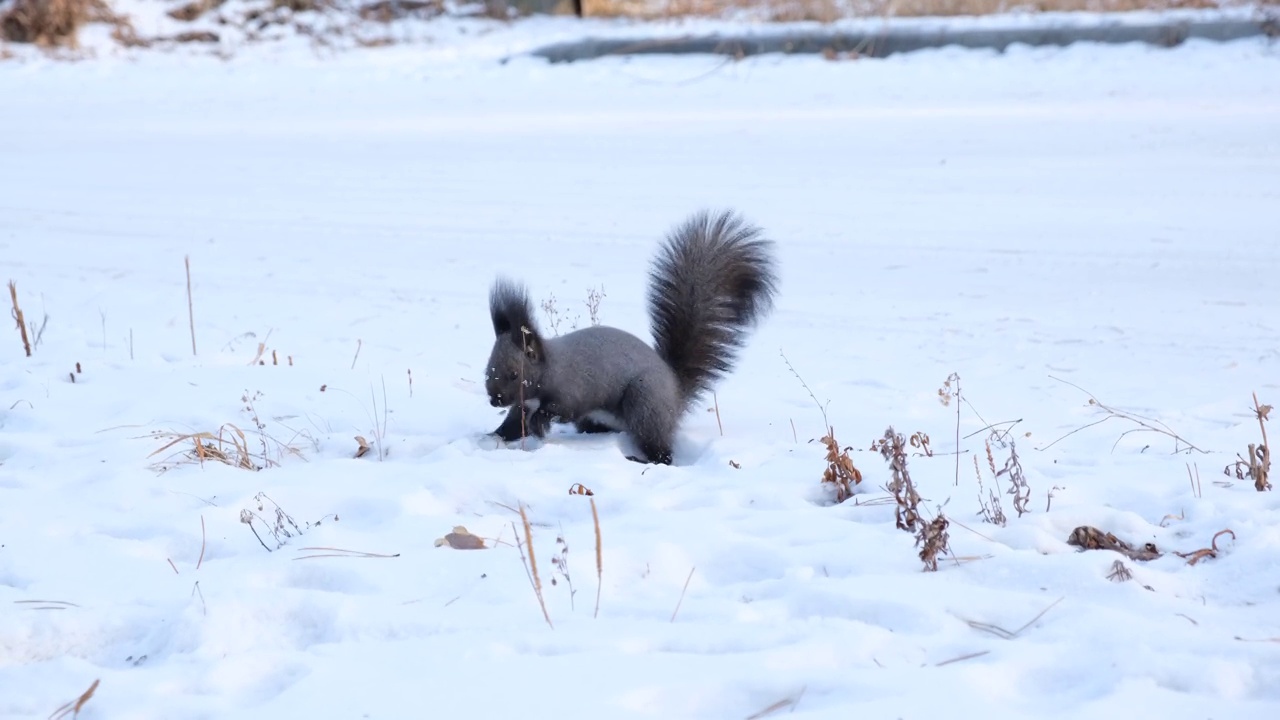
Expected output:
(505, 435)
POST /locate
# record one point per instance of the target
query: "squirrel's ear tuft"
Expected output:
(509, 307)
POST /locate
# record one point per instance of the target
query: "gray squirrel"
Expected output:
(713, 278)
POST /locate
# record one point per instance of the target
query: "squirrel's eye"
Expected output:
(513, 376)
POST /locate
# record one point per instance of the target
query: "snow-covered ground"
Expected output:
(1104, 216)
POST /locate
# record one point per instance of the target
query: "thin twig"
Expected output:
(992, 426)
(196, 591)
(787, 702)
(1147, 424)
(962, 658)
(340, 552)
(716, 400)
(1002, 633)
(356, 357)
(202, 543)
(826, 424)
(191, 311)
(682, 592)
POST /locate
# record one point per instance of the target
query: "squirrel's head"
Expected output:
(515, 365)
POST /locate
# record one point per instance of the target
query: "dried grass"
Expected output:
(228, 445)
(49, 23)
(73, 708)
(595, 521)
(531, 563)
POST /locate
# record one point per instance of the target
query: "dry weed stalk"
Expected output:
(282, 527)
(1196, 490)
(1258, 467)
(933, 540)
(74, 707)
(946, 394)
(1018, 486)
(840, 473)
(1145, 424)
(892, 447)
(931, 536)
(531, 563)
(552, 311)
(826, 424)
(988, 499)
(560, 562)
(18, 318)
(594, 298)
(1119, 573)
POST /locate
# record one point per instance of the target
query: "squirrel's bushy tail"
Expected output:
(713, 278)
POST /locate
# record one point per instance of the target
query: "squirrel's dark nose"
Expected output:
(495, 400)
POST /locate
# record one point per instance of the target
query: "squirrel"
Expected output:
(713, 278)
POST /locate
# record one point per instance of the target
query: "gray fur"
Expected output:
(713, 278)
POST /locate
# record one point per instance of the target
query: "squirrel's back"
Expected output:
(593, 366)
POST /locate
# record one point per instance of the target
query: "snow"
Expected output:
(1100, 215)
